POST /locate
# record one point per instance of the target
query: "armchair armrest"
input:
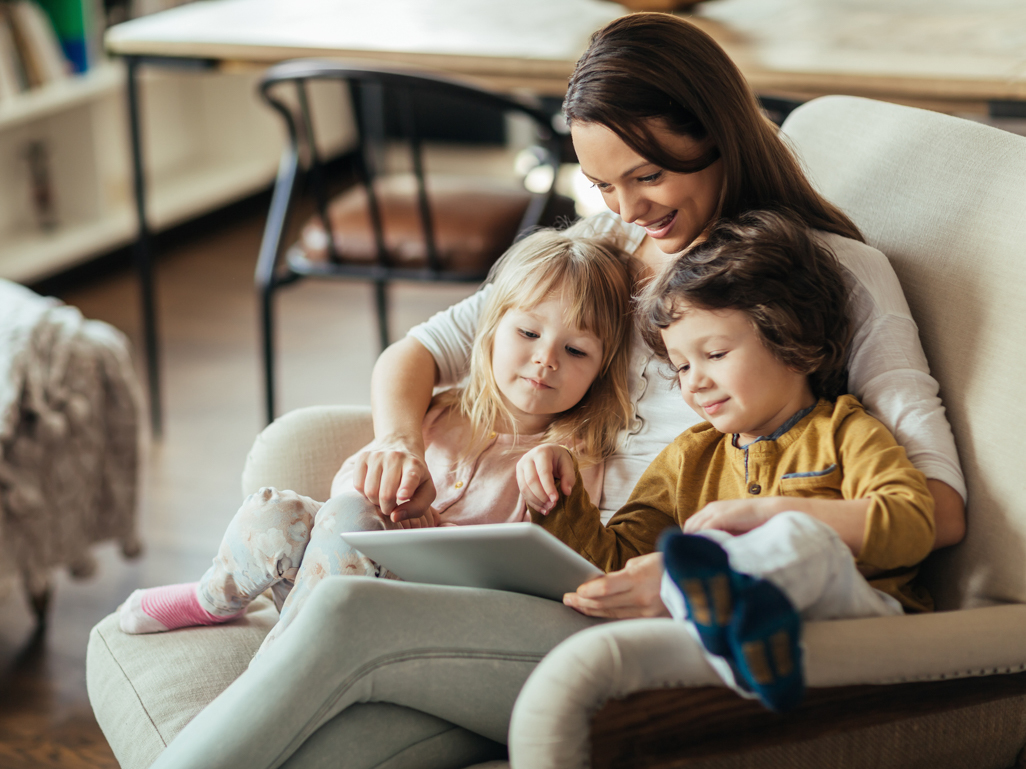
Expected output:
(591, 700)
(302, 450)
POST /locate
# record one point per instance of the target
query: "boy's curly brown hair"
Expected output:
(773, 268)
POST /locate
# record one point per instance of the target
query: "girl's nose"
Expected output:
(545, 355)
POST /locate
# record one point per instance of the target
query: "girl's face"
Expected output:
(542, 365)
(673, 208)
(729, 377)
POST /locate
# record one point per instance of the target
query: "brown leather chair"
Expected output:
(390, 226)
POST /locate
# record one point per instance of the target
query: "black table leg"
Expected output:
(144, 253)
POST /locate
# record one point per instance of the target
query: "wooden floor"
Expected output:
(212, 390)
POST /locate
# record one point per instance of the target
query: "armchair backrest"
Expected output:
(945, 200)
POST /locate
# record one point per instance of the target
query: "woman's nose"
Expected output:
(631, 206)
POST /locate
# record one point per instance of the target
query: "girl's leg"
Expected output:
(328, 555)
(262, 547)
(459, 654)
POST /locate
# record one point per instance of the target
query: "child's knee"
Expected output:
(350, 512)
(270, 508)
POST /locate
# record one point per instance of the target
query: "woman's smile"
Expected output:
(673, 208)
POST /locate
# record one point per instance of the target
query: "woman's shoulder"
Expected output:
(862, 259)
(877, 289)
(606, 224)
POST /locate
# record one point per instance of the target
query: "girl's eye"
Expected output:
(717, 355)
(529, 334)
(576, 353)
(681, 369)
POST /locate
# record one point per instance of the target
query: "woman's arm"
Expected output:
(948, 514)
(889, 374)
(393, 474)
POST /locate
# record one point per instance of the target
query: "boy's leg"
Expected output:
(262, 547)
(807, 560)
(328, 555)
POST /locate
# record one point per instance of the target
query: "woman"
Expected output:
(665, 126)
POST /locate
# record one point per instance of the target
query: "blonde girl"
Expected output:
(549, 365)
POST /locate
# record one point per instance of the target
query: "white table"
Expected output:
(952, 55)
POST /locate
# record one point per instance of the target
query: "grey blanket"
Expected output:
(69, 437)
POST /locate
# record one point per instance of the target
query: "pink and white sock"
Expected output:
(159, 609)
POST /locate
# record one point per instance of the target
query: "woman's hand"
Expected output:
(392, 474)
(736, 516)
(626, 594)
(542, 473)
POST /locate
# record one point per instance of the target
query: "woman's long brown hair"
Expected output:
(654, 67)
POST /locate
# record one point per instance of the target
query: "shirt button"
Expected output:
(755, 488)
(459, 484)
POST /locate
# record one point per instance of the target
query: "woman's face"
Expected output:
(673, 208)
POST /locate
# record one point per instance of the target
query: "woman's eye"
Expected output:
(651, 177)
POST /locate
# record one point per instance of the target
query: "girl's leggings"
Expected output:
(288, 543)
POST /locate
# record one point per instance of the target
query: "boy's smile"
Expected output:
(728, 376)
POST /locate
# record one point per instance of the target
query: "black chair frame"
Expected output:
(302, 162)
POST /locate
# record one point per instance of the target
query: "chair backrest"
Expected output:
(388, 104)
(945, 200)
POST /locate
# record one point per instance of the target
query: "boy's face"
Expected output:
(729, 377)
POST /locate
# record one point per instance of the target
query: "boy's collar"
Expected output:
(791, 422)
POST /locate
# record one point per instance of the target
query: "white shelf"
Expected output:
(107, 79)
(208, 141)
(33, 255)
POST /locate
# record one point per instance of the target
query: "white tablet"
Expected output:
(520, 557)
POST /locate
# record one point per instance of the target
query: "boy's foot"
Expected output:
(701, 570)
(765, 640)
(159, 609)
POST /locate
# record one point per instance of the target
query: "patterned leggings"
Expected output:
(287, 542)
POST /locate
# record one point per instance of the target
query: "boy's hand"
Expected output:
(393, 476)
(538, 473)
(736, 516)
(626, 594)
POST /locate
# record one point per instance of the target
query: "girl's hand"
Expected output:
(736, 516)
(430, 520)
(626, 594)
(537, 474)
(393, 476)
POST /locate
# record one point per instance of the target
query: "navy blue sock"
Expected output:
(765, 639)
(700, 569)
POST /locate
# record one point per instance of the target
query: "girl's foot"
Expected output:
(701, 570)
(159, 609)
(765, 640)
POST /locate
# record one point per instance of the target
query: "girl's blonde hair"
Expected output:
(593, 275)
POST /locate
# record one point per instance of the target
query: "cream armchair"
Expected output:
(946, 200)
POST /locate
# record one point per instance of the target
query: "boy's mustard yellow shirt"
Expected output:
(837, 451)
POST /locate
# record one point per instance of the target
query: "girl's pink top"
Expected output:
(480, 488)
